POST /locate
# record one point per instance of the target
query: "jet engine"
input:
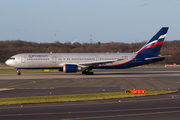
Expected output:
(68, 68)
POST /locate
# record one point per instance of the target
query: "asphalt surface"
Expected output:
(12, 85)
(152, 107)
(162, 107)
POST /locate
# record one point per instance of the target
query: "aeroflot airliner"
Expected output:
(85, 62)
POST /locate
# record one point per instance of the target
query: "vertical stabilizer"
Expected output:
(153, 46)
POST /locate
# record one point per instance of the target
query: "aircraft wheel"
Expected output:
(87, 73)
(18, 73)
(83, 72)
(91, 73)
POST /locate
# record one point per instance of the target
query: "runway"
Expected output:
(152, 107)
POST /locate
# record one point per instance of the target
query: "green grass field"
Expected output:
(75, 97)
(14, 71)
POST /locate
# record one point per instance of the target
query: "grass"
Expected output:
(14, 71)
(75, 97)
(3, 65)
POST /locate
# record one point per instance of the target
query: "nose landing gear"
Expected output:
(18, 71)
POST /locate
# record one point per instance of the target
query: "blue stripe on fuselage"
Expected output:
(138, 60)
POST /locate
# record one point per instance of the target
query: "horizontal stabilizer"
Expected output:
(158, 57)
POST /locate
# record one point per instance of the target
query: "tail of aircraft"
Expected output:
(153, 46)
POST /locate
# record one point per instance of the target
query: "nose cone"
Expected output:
(9, 62)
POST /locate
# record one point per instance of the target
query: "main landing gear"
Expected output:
(18, 71)
(88, 72)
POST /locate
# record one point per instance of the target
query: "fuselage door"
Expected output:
(54, 59)
(133, 60)
(22, 60)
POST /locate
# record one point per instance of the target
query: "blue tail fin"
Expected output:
(155, 43)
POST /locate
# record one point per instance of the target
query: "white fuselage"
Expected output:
(55, 60)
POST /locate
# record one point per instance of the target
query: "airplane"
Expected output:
(86, 62)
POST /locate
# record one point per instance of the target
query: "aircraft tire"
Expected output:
(87, 73)
(91, 73)
(83, 72)
(19, 73)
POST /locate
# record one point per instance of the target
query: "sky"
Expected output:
(125, 21)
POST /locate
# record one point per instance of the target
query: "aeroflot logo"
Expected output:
(31, 56)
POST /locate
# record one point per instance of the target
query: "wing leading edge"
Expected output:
(97, 63)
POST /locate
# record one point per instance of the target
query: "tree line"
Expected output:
(12, 47)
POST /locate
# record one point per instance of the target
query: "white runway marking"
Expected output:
(4, 89)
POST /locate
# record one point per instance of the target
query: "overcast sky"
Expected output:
(106, 20)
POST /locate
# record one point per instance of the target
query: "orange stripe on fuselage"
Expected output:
(119, 63)
(151, 46)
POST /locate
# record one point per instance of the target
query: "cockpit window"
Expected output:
(12, 58)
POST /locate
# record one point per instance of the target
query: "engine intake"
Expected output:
(68, 68)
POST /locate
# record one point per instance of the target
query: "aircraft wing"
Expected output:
(97, 63)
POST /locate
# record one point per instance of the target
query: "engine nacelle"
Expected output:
(67, 68)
